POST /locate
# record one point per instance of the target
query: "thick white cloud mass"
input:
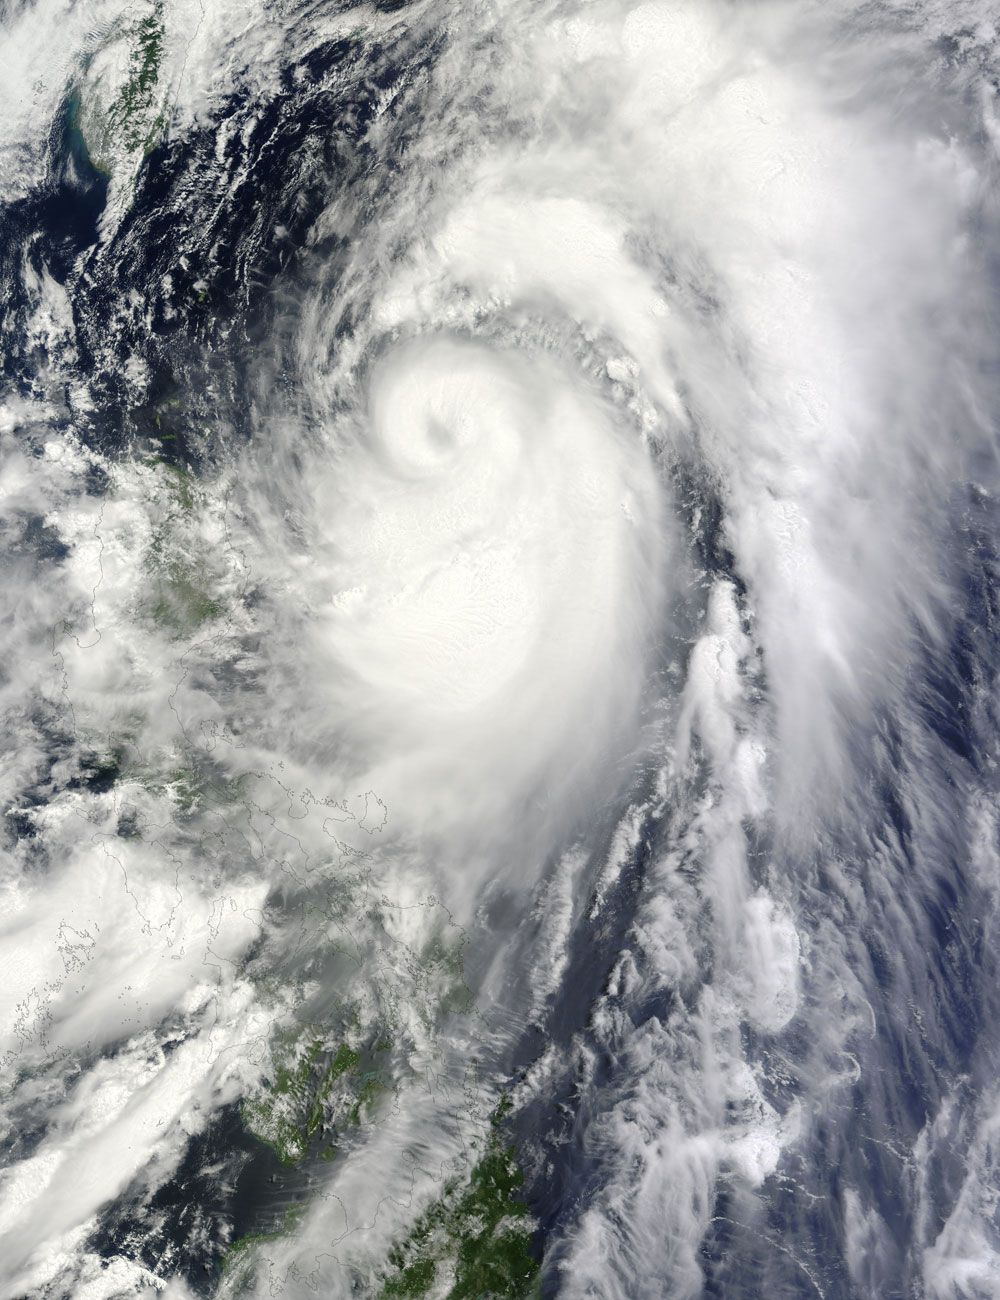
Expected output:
(593, 614)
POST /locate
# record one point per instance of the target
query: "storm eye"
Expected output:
(498, 574)
(498, 548)
(440, 435)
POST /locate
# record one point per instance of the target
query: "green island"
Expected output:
(299, 1102)
(478, 1234)
(181, 570)
(130, 111)
(134, 118)
(238, 1260)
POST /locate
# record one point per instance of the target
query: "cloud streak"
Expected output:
(579, 629)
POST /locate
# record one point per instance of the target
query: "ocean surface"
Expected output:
(499, 650)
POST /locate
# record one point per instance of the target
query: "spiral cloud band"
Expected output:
(501, 665)
(492, 561)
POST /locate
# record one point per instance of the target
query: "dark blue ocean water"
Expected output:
(890, 888)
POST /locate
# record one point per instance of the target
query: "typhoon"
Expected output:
(499, 649)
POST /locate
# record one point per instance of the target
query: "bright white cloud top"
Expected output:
(500, 650)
